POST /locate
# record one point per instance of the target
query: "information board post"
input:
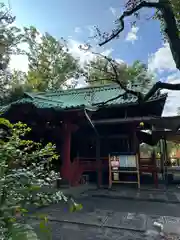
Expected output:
(123, 163)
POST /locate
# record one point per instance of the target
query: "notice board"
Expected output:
(123, 163)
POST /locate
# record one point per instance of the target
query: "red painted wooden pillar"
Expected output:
(66, 152)
(98, 162)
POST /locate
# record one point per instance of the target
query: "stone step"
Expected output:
(152, 196)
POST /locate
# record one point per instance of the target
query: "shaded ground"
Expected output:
(81, 232)
(106, 218)
(170, 195)
(123, 205)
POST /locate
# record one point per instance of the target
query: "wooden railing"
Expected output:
(84, 164)
(90, 164)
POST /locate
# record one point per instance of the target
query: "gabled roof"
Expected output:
(77, 98)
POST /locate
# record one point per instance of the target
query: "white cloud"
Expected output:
(77, 53)
(120, 61)
(132, 35)
(113, 11)
(162, 60)
(107, 52)
(172, 103)
(173, 100)
(81, 83)
(85, 56)
(19, 62)
(77, 30)
(92, 31)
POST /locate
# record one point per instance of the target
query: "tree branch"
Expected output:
(161, 85)
(118, 81)
(100, 79)
(140, 96)
(112, 99)
(171, 29)
(127, 14)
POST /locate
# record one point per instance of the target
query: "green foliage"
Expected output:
(99, 71)
(175, 4)
(10, 38)
(176, 9)
(25, 168)
(138, 74)
(147, 149)
(50, 63)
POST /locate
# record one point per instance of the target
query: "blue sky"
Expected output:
(61, 18)
(73, 19)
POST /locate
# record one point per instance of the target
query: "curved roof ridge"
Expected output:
(74, 90)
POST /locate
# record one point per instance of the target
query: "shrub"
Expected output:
(25, 167)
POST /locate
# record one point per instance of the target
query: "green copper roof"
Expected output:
(75, 98)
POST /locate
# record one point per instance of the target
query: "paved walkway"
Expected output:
(134, 194)
(110, 214)
(170, 195)
(103, 224)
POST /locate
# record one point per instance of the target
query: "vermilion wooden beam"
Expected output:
(66, 151)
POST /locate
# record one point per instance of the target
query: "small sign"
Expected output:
(131, 161)
(115, 163)
(122, 164)
(115, 176)
(122, 161)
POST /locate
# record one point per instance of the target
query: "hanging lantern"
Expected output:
(141, 124)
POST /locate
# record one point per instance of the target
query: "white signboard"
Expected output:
(128, 161)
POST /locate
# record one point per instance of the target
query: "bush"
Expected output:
(25, 167)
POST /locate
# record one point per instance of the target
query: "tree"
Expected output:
(22, 175)
(15, 86)
(10, 38)
(50, 63)
(176, 10)
(24, 170)
(170, 16)
(99, 71)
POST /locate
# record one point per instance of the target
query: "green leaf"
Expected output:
(23, 210)
(34, 188)
(75, 207)
(22, 232)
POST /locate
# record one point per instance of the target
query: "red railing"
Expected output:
(84, 164)
(90, 164)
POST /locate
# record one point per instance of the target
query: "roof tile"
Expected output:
(75, 98)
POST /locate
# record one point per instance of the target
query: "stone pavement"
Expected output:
(102, 224)
(134, 194)
(115, 216)
(170, 195)
(78, 232)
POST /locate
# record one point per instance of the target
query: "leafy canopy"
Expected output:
(50, 63)
(100, 71)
